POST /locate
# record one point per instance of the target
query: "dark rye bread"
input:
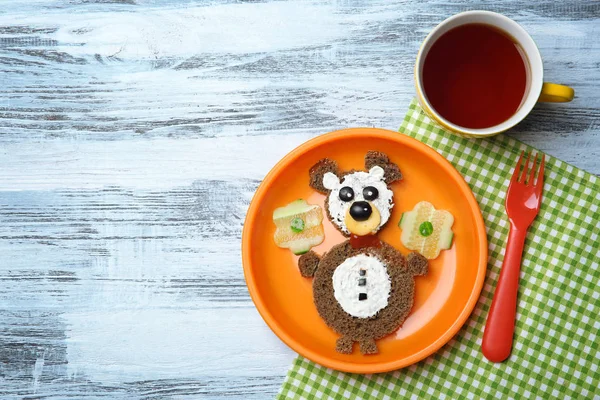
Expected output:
(391, 172)
(417, 264)
(367, 330)
(308, 263)
(317, 172)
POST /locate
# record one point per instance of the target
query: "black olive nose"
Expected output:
(360, 210)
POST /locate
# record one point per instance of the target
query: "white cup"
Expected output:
(536, 89)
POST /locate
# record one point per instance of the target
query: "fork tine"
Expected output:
(524, 174)
(515, 176)
(533, 168)
(539, 183)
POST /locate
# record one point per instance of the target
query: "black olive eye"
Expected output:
(370, 193)
(346, 193)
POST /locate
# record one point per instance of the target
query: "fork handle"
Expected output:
(500, 325)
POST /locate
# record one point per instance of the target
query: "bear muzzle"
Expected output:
(362, 218)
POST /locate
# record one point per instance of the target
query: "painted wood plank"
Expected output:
(132, 136)
(352, 68)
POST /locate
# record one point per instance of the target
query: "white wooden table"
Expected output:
(132, 136)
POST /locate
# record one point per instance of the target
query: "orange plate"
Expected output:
(444, 297)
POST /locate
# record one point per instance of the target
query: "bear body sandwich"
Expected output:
(363, 288)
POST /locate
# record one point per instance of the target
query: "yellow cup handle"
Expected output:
(555, 93)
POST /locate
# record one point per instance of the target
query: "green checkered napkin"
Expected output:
(556, 353)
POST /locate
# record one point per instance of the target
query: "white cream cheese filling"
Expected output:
(347, 291)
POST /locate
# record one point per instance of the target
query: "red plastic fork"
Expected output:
(523, 201)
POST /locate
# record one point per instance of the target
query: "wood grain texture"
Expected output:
(133, 134)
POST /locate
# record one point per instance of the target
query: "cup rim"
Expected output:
(535, 88)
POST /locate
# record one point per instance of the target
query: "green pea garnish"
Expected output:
(297, 225)
(426, 228)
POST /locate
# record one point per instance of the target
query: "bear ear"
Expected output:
(391, 172)
(377, 172)
(323, 175)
